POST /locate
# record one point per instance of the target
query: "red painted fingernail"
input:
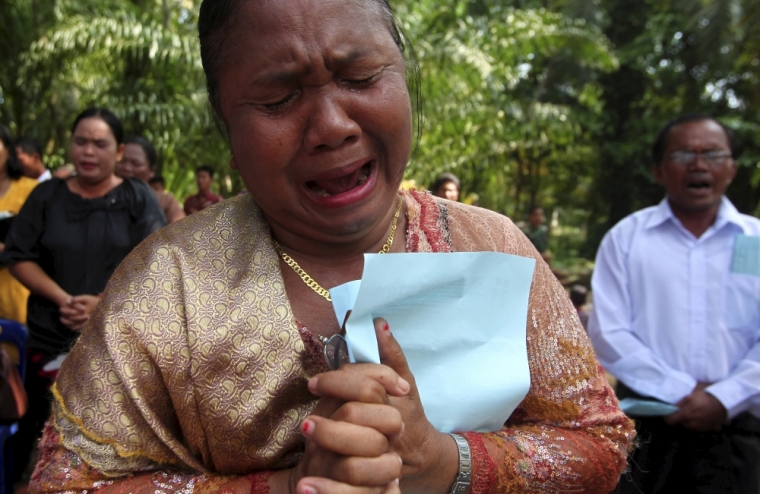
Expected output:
(386, 327)
(309, 490)
(307, 428)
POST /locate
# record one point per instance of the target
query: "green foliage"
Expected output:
(139, 59)
(503, 92)
(551, 102)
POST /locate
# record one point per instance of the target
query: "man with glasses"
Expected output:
(676, 319)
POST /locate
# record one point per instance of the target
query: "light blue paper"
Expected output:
(460, 319)
(635, 407)
(746, 258)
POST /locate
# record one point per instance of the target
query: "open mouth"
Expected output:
(329, 187)
(699, 185)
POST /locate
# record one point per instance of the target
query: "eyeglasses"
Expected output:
(336, 351)
(689, 157)
(336, 347)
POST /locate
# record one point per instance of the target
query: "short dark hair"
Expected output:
(12, 165)
(205, 168)
(107, 116)
(157, 179)
(442, 180)
(30, 146)
(147, 147)
(661, 141)
(578, 294)
(533, 208)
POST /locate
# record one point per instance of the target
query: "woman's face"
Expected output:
(314, 97)
(134, 163)
(94, 151)
(448, 190)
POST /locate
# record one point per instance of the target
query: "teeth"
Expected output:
(321, 192)
(363, 178)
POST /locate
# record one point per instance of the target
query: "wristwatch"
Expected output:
(462, 482)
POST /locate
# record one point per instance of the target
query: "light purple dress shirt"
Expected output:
(669, 312)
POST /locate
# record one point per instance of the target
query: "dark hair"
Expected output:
(442, 180)
(147, 147)
(534, 208)
(12, 165)
(661, 141)
(157, 179)
(216, 19)
(205, 168)
(578, 295)
(107, 116)
(30, 146)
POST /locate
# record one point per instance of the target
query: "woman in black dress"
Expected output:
(64, 245)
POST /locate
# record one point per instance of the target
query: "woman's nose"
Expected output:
(329, 125)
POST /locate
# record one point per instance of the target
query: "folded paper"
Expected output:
(634, 407)
(460, 319)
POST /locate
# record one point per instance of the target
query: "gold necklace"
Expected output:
(311, 282)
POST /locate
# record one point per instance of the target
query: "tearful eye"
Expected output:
(361, 82)
(279, 105)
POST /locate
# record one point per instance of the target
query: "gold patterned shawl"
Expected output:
(193, 362)
(193, 357)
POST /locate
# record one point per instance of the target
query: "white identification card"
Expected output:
(746, 258)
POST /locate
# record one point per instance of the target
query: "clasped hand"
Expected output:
(699, 411)
(76, 310)
(369, 433)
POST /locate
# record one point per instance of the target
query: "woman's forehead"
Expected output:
(93, 126)
(275, 28)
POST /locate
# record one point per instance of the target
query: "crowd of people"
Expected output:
(189, 357)
(62, 238)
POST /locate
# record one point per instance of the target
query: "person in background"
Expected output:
(139, 161)
(64, 245)
(676, 318)
(29, 153)
(578, 295)
(537, 232)
(14, 189)
(157, 183)
(446, 186)
(204, 177)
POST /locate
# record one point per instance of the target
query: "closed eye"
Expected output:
(362, 82)
(279, 105)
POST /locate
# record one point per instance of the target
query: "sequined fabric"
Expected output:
(194, 368)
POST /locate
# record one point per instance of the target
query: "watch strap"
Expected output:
(462, 483)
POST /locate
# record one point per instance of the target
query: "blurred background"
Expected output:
(550, 103)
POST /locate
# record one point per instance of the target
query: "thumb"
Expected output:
(391, 353)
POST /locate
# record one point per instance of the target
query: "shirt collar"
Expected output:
(727, 214)
(46, 175)
(660, 215)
